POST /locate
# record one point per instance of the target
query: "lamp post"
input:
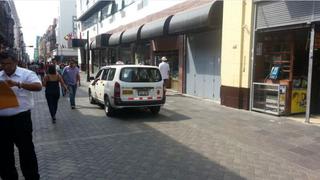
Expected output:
(58, 49)
(87, 58)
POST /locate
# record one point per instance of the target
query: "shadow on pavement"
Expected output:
(84, 145)
(144, 115)
(89, 107)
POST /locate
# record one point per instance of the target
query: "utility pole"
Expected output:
(87, 58)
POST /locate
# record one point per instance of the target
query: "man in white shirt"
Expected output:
(15, 121)
(164, 70)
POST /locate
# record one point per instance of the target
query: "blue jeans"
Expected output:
(72, 94)
(63, 92)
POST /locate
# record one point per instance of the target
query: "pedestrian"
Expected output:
(61, 68)
(51, 82)
(41, 71)
(15, 122)
(119, 62)
(164, 70)
(71, 77)
(55, 63)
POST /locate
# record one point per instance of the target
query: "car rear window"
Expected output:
(140, 74)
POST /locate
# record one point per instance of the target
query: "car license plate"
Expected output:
(127, 92)
(143, 93)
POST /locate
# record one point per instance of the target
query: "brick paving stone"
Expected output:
(190, 139)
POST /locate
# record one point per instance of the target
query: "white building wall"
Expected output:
(133, 14)
(67, 10)
(129, 14)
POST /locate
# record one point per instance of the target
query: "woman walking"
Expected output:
(51, 82)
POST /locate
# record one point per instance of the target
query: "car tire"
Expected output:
(91, 99)
(155, 110)
(109, 110)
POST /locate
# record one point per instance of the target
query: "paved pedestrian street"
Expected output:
(191, 138)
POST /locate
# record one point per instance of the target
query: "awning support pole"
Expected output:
(307, 120)
(87, 58)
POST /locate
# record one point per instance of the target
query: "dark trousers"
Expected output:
(166, 83)
(17, 130)
(72, 94)
(52, 100)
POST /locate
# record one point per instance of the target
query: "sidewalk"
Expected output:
(83, 78)
(190, 139)
(314, 120)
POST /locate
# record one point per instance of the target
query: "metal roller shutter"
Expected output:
(282, 13)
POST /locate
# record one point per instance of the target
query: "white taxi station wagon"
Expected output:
(127, 86)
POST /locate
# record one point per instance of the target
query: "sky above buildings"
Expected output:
(35, 18)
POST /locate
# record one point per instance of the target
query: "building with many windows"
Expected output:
(11, 35)
(47, 43)
(6, 25)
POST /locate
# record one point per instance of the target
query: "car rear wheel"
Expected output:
(109, 110)
(155, 110)
(91, 99)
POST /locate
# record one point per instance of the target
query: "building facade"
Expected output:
(47, 43)
(188, 33)
(286, 57)
(11, 35)
(66, 28)
(255, 55)
(237, 32)
(6, 25)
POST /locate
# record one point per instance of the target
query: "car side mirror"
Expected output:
(91, 78)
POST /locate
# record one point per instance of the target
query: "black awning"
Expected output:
(115, 39)
(131, 35)
(101, 41)
(208, 16)
(77, 43)
(155, 28)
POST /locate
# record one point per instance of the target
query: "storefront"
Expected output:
(201, 50)
(286, 67)
(142, 53)
(114, 47)
(155, 43)
(178, 36)
(129, 44)
(168, 47)
(203, 68)
(99, 52)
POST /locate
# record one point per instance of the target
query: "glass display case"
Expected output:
(269, 98)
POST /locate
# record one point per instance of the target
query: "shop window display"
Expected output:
(280, 71)
(173, 61)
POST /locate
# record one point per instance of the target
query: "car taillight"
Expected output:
(116, 90)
